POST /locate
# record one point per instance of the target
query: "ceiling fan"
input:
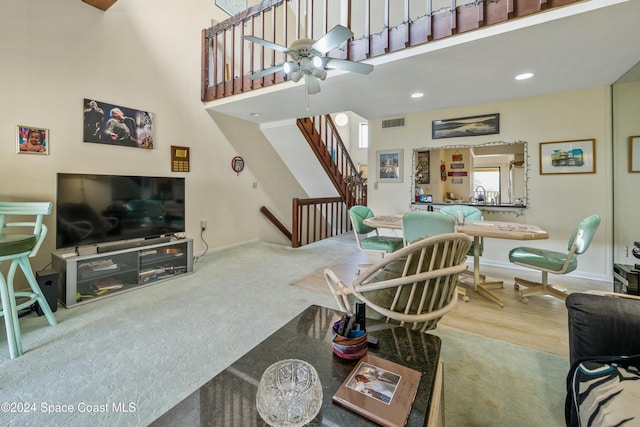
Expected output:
(307, 58)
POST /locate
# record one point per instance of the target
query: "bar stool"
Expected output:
(17, 248)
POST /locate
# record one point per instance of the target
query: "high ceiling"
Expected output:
(590, 44)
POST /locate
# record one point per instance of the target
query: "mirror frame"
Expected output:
(484, 207)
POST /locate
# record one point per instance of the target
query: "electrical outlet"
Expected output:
(203, 224)
(254, 184)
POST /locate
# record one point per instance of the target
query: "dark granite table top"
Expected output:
(229, 398)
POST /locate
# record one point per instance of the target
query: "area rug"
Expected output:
(493, 383)
(148, 349)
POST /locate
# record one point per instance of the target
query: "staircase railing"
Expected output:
(325, 141)
(317, 219)
(379, 27)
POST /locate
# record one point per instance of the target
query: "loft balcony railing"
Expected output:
(379, 27)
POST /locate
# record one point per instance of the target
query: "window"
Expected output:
(488, 178)
(363, 141)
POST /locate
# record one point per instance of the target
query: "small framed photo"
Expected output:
(634, 154)
(32, 140)
(390, 165)
(566, 157)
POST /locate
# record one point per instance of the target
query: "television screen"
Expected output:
(92, 209)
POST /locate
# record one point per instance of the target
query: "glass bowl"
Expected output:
(289, 394)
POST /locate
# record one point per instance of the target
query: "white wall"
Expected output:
(142, 54)
(556, 202)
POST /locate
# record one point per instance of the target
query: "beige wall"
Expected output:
(556, 202)
(626, 107)
(142, 54)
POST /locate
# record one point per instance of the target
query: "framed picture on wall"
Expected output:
(32, 140)
(567, 157)
(488, 124)
(389, 165)
(634, 154)
(232, 7)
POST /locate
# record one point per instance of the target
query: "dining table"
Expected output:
(477, 230)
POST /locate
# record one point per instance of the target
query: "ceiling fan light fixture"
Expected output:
(318, 62)
(319, 73)
(296, 76)
(290, 67)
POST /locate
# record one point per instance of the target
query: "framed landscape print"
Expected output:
(32, 140)
(232, 7)
(567, 157)
(389, 165)
(488, 124)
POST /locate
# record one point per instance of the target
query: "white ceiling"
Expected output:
(590, 44)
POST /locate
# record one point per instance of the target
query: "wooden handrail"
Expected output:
(271, 217)
(228, 60)
(324, 139)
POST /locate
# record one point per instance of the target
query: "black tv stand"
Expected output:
(132, 244)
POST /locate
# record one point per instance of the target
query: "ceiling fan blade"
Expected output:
(266, 72)
(346, 65)
(312, 83)
(336, 36)
(266, 43)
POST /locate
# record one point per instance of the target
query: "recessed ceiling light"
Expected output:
(417, 95)
(524, 76)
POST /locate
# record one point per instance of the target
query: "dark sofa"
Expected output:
(603, 384)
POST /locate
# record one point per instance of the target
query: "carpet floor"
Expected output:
(127, 359)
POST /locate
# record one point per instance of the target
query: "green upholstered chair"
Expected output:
(373, 243)
(17, 248)
(413, 287)
(548, 261)
(419, 224)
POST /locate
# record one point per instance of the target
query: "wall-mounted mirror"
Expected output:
(493, 174)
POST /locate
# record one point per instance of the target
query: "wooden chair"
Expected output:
(17, 248)
(469, 213)
(548, 261)
(419, 224)
(413, 287)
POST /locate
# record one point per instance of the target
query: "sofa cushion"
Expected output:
(602, 326)
(606, 394)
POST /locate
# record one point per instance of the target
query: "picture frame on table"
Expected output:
(568, 157)
(32, 140)
(634, 154)
(390, 165)
(487, 124)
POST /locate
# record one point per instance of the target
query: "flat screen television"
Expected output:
(93, 209)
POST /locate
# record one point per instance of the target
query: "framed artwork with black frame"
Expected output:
(488, 124)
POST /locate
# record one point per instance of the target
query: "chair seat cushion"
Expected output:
(541, 258)
(382, 243)
(11, 244)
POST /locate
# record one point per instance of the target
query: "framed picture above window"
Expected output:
(389, 164)
(566, 157)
